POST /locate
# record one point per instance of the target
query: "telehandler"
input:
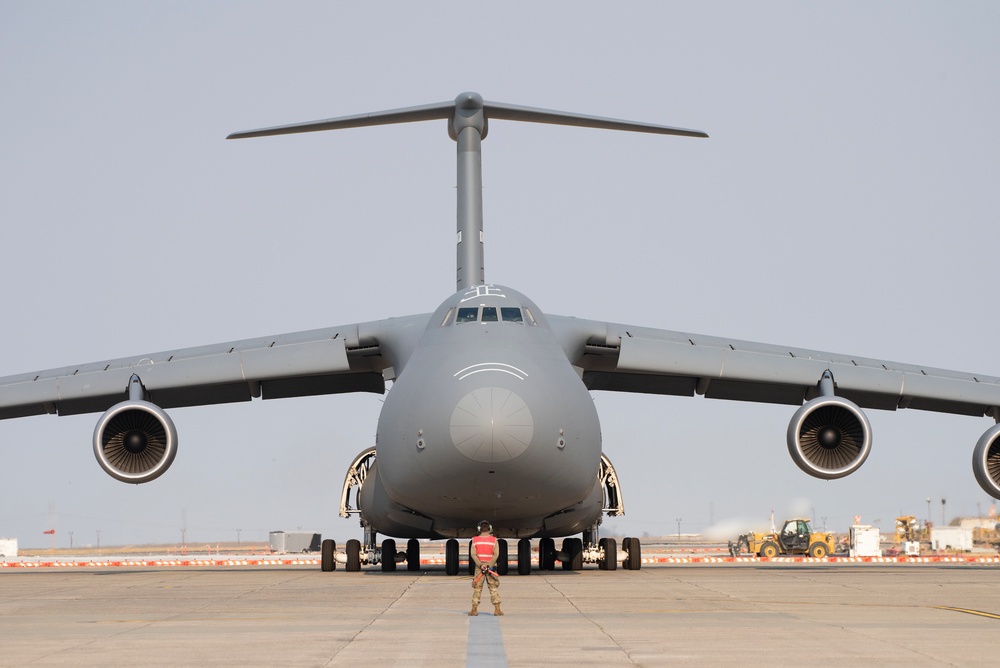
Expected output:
(796, 537)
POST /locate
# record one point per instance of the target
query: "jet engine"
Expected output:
(986, 461)
(829, 437)
(135, 441)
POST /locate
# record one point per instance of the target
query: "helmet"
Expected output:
(485, 526)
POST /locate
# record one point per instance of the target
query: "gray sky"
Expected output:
(847, 201)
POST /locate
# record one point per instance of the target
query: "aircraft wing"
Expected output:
(348, 358)
(625, 358)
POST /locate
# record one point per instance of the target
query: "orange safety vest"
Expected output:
(483, 546)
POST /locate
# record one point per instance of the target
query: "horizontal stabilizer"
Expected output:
(427, 112)
(468, 103)
(510, 112)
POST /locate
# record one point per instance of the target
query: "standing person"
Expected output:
(484, 554)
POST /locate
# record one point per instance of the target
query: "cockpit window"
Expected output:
(467, 314)
(510, 314)
(489, 314)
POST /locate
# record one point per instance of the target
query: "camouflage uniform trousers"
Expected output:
(493, 582)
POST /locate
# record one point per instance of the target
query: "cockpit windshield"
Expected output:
(510, 314)
(488, 314)
(467, 314)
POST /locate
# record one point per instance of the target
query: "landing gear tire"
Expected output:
(633, 557)
(546, 554)
(353, 549)
(328, 554)
(451, 557)
(610, 548)
(413, 555)
(524, 557)
(388, 555)
(573, 547)
(502, 560)
(472, 563)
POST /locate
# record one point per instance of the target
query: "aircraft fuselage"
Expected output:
(486, 419)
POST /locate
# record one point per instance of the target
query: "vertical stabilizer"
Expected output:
(468, 118)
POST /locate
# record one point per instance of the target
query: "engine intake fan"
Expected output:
(135, 441)
(986, 461)
(829, 437)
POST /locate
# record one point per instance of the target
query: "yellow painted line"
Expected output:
(978, 613)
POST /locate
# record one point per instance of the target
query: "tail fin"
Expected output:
(469, 118)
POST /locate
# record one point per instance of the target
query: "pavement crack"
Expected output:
(375, 618)
(592, 621)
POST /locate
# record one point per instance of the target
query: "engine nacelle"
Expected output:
(986, 461)
(829, 437)
(135, 441)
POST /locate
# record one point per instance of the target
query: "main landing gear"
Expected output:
(572, 555)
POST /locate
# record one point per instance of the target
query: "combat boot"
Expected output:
(475, 611)
(497, 611)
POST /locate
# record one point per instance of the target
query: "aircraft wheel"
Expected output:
(502, 561)
(388, 555)
(353, 555)
(576, 560)
(769, 549)
(413, 555)
(610, 547)
(573, 547)
(635, 555)
(627, 549)
(451, 557)
(546, 554)
(524, 557)
(818, 550)
(328, 555)
(472, 563)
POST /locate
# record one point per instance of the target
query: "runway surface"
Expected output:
(738, 614)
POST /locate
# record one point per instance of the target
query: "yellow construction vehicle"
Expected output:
(796, 537)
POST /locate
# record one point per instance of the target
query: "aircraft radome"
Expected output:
(490, 415)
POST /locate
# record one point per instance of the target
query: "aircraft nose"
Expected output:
(491, 424)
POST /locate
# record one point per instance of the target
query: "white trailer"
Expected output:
(294, 541)
(865, 541)
(8, 547)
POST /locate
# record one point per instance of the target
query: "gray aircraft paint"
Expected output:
(495, 419)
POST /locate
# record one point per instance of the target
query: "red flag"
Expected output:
(50, 531)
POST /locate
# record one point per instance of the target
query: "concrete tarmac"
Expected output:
(733, 614)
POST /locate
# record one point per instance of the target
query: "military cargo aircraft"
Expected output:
(489, 414)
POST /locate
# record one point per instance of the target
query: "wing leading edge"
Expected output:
(333, 360)
(624, 358)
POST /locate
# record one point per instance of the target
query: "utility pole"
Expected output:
(942, 512)
(71, 540)
(678, 528)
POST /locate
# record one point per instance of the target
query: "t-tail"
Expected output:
(468, 122)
